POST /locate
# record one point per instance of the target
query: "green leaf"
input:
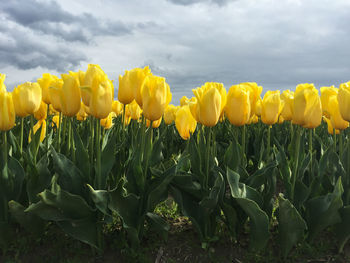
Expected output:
(158, 224)
(232, 157)
(100, 198)
(343, 228)
(210, 202)
(291, 225)
(27, 220)
(108, 158)
(259, 219)
(81, 155)
(322, 211)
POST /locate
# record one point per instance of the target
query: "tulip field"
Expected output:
(230, 158)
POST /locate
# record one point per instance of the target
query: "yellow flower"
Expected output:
(253, 119)
(237, 108)
(271, 107)
(45, 82)
(211, 100)
(307, 109)
(137, 77)
(79, 76)
(55, 93)
(344, 100)
(40, 124)
(193, 108)
(7, 110)
(117, 107)
(27, 98)
(184, 101)
(107, 123)
(254, 94)
(70, 96)
(337, 121)
(326, 93)
(81, 115)
(41, 112)
(2, 80)
(56, 121)
(287, 97)
(170, 114)
(155, 124)
(133, 110)
(156, 96)
(184, 122)
(330, 126)
(257, 108)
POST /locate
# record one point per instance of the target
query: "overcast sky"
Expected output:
(276, 43)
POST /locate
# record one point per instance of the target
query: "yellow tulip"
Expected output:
(117, 107)
(307, 109)
(184, 101)
(40, 124)
(27, 98)
(56, 121)
(257, 108)
(107, 123)
(337, 121)
(330, 126)
(45, 82)
(55, 93)
(79, 76)
(326, 93)
(184, 122)
(155, 124)
(133, 110)
(271, 107)
(101, 96)
(254, 94)
(156, 96)
(52, 111)
(81, 115)
(237, 108)
(2, 80)
(130, 85)
(211, 100)
(41, 112)
(193, 108)
(344, 100)
(70, 96)
(253, 119)
(170, 114)
(7, 110)
(93, 72)
(287, 97)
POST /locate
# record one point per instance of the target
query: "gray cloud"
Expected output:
(25, 51)
(49, 18)
(192, 2)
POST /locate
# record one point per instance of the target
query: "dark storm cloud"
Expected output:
(25, 51)
(49, 18)
(191, 2)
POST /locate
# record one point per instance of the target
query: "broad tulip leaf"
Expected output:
(16, 176)
(291, 225)
(70, 177)
(81, 155)
(158, 224)
(259, 219)
(343, 228)
(31, 222)
(322, 211)
(100, 198)
(108, 159)
(232, 157)
(211, 201)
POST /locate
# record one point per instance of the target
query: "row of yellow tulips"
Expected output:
(91, 93)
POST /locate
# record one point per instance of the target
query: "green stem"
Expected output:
(21, 139)
(69, 133)
(268, 141)
(296, 160)
(334, 140)
(91, 143)
(243, 143)
(310, 151)
(207, 157)
(47, 126)
(340, 145)
(64, 129)
(59, 132)
(31, 127)
(5, 203)
(98, 155)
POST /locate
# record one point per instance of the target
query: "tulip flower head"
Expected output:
(344, 100)
(271, 107)
(238, 105)
(184, 122)
(27, 98)
(287, 97)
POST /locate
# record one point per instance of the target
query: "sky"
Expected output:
(276, 43)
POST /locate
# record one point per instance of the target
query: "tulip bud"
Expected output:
(271, 107)
(337, 121)
(211, 100)
(287, 97)
(41, 112)
(117, 107)
(45, 83)
(70, 96)
(133, 110)
(7, 110)
(344, 100)
(155, 124)
(237, 108)
(326, 93)
(170, 114)
(27, 98)
(156, 96)
(307, 109)
(107, 123)
(40, 124)
(56, 121)
(330, 126)
(81, 115)
(184, 122)
(55, 93)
